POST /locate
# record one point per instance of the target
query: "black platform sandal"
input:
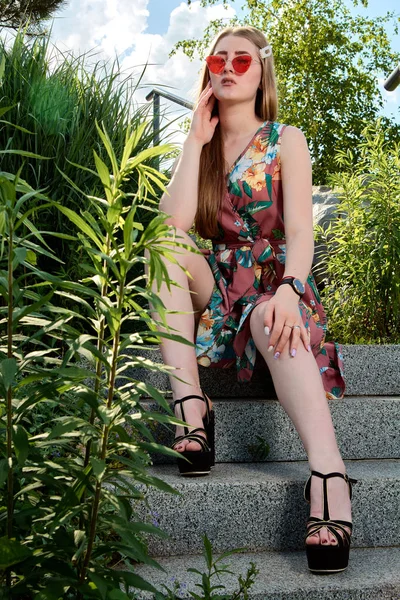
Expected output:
(201, 461)
(329, 558)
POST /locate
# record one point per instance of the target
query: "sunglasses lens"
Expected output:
(241, 63)
(215, 63)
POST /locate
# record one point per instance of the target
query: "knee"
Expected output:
(257, 317)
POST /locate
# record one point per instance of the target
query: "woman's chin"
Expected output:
(226, 95)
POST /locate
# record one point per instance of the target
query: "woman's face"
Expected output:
(230, 86)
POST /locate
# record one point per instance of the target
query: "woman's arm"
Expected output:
(182, 198)
(296, 176)
(296, 173)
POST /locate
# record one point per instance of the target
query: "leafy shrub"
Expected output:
(66, 517)
(362, 263)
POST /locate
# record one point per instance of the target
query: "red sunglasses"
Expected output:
(216, 63)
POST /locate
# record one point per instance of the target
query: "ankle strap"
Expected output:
(325, 476)
(187, 398)
(335, 474)
(182, 400)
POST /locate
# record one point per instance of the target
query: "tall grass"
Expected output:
(58, 101)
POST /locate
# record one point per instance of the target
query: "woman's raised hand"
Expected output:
(203, 125)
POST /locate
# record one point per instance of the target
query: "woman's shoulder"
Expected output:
(292, 141)
(291, 131)
(280, 127)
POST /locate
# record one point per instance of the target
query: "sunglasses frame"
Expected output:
(223, 64)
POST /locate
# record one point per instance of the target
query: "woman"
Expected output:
(239, 172)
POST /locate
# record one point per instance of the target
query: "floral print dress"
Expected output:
(248, 262)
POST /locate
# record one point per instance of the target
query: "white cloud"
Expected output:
(118, 27)
(108, 25)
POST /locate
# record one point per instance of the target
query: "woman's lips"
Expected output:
(227, 81)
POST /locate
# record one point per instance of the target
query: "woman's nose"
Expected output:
(226, 65)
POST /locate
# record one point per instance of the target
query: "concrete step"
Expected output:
(366, 427)
(260, 506)
(368, 370)
(372, 574)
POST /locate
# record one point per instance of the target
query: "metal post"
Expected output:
(155, 96)
(156, 126)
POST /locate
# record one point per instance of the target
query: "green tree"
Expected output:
(326, 63)
(27, 13)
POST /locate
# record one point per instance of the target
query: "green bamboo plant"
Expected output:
(68, 518)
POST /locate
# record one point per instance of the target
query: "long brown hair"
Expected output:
(212, 182)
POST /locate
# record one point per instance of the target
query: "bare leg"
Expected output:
(298, 385)
(178, 355)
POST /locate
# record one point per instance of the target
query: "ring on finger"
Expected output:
(296, 327)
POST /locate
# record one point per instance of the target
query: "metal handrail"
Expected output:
(393, 80)
(169, 96)
(155, 96)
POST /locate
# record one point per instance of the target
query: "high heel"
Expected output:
(201, 461)
(329, 558)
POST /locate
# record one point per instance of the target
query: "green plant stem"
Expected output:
(106, 430)
(10, 489)
(100, 346)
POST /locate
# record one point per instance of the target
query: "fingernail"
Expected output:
(293, 352)
(266, 330)
(270, 348)
(309, 348)
(277, 354)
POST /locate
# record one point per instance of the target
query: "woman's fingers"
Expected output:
(294, 340)
(283, 334)
(285, 331)
(283, 340)
(277, 331)
(305, 337)
(204, 96)
(268, 317)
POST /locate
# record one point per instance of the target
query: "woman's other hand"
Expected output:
(281, 314)
(203, 124)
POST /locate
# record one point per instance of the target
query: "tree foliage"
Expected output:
(27, 13)
(326, 62)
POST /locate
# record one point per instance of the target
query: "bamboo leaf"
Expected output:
(8, 370)
(108, 146)
(12, 552)
(99, 467)
(79, 222)
(102, 171)
(134, 580)
(3, 470)
(148, 153)
(20, 314)
(68, 424)
(100, 583)
(27, 154)
(21, 443)
(131, 143)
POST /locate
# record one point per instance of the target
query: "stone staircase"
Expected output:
(259, 506)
